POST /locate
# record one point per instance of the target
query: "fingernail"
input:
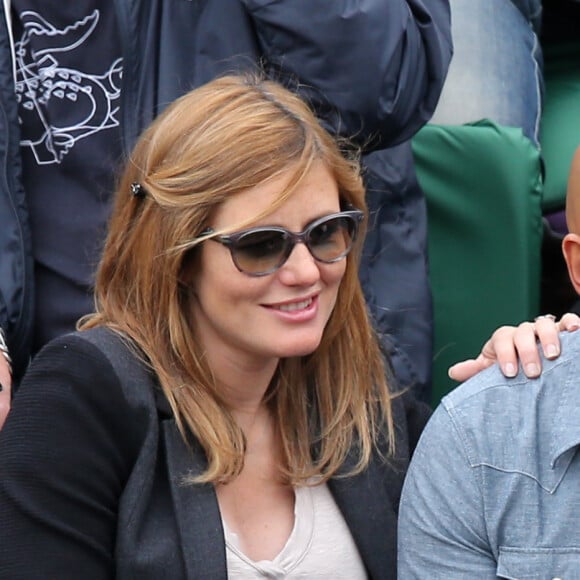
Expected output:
(509, 370)
(573, 326)
(552, 351)
(532, 370)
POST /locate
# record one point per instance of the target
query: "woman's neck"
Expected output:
(243, 386)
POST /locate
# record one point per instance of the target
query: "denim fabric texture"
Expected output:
(496, 69)
(493, 490)
(532, 11)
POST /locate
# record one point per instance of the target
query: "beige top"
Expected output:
(320, 545)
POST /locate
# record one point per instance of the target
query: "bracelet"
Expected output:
(4, 349)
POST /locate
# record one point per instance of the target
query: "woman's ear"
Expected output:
(571, 250)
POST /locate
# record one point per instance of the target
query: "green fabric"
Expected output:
(483, 188)
(560, 130)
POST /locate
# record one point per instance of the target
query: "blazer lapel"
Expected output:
(367, 507)
(196, 509)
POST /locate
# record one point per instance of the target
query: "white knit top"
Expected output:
(320, 545)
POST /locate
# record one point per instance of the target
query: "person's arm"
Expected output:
(66, 451)
(5, 390)
(370, 68)
(513, 345)
(442, 529)
(5, 379)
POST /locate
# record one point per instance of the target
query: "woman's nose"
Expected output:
(300, 268)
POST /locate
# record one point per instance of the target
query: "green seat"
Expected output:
(483, 188)
(560, 131)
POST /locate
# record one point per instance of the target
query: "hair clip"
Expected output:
(137, 190)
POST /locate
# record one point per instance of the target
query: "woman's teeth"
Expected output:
(295, 305)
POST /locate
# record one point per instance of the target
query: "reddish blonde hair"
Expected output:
(217, 141)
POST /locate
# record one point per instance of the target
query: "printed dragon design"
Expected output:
(40, 77)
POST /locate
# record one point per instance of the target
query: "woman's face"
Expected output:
(283, 314)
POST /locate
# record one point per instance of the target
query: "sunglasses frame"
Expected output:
(293, 238)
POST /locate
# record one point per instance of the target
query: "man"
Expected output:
(494, 486)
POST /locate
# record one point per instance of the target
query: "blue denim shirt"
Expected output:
(494, 485)
(532, 10)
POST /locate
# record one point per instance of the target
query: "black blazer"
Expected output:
(368, 501)
(160, 527)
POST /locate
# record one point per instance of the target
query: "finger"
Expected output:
(466, 369)
(569, 322)
(546, 329)
(501, 348)
(524, 339)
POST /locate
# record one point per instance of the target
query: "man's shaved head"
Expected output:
(573, 195)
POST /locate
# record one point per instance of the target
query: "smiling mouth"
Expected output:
(295, 305)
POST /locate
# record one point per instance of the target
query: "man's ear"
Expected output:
(571, 250)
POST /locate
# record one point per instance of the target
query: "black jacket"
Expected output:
(92, 477)
(372, 69)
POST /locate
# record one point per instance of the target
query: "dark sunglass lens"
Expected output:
(260, 251)
(331, 239)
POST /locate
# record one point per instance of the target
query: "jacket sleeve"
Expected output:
(16, 265)
(370, 68)
(65, 453)
(442, 527)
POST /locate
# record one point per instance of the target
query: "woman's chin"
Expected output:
(302, 348)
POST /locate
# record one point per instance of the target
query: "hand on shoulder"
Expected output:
(510, 345)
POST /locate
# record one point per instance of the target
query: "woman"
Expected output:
(225, 411)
